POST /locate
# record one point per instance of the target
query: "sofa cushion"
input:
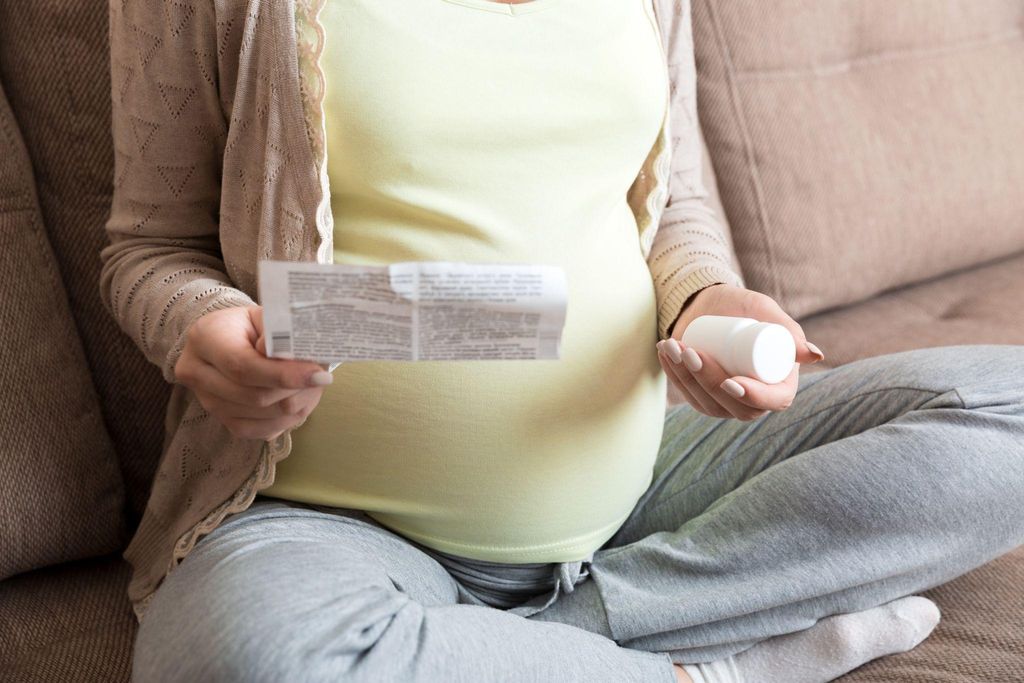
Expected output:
(980, 305)
(863, 145)
(965, 307)
(55, 65)
(61, 494)
(70, 623)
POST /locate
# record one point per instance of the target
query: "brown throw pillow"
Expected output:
(61, 494)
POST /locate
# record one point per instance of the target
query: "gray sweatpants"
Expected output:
(885, 477)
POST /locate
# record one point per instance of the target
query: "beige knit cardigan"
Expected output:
(219, 162)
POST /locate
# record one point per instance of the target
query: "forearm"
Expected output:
(690, 250)
(689, 254)
(163, 268)
(155, 292)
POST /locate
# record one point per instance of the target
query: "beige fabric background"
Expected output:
(855, 155)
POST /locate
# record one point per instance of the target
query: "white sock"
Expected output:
(829, 649)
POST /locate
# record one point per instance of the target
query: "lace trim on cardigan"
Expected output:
(648, 194)
(313, 87)
(312, 83)
(261, 478)
(657, 166)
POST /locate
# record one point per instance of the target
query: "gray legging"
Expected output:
(885, 477)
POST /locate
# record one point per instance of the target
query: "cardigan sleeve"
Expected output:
(690, 250)
(162, 267)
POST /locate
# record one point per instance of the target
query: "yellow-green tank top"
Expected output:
(469, 130)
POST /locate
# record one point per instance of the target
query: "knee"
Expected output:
(987, 367)
(974, 375)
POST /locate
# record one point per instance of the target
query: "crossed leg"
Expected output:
(885, 477)
(284, 592)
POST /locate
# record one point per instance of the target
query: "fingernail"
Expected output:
(733, 388)
(673, 350)
(320, 378)
(692, 361)
(815, 350)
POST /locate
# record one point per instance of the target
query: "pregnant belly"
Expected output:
(508, 461)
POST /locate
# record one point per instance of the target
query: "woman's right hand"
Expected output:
(255, 397)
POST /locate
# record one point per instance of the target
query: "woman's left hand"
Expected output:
(703, 382)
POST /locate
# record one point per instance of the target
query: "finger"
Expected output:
(806, 352)
(260, 345)
(668, 365)
(680, 387)
(208, 379)
(710, 376)
(290, 406)
(256, 318)
(686, 380)
(769, 396)
(243, 364)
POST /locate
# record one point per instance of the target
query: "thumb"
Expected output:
(256, 317)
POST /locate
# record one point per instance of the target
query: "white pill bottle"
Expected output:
(744, 346)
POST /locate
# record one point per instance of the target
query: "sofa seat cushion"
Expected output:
(975, 306)
(69, 623)
(980, 637)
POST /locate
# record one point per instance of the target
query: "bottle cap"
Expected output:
(770, 350)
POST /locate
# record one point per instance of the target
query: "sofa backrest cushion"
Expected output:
(55, 64)
(862, 145)
(61, 493)
(714, 201)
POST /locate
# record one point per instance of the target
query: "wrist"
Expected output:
(686, 305)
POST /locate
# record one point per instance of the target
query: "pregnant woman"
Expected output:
(504, 520)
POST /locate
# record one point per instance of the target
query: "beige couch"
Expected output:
(869, 159)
